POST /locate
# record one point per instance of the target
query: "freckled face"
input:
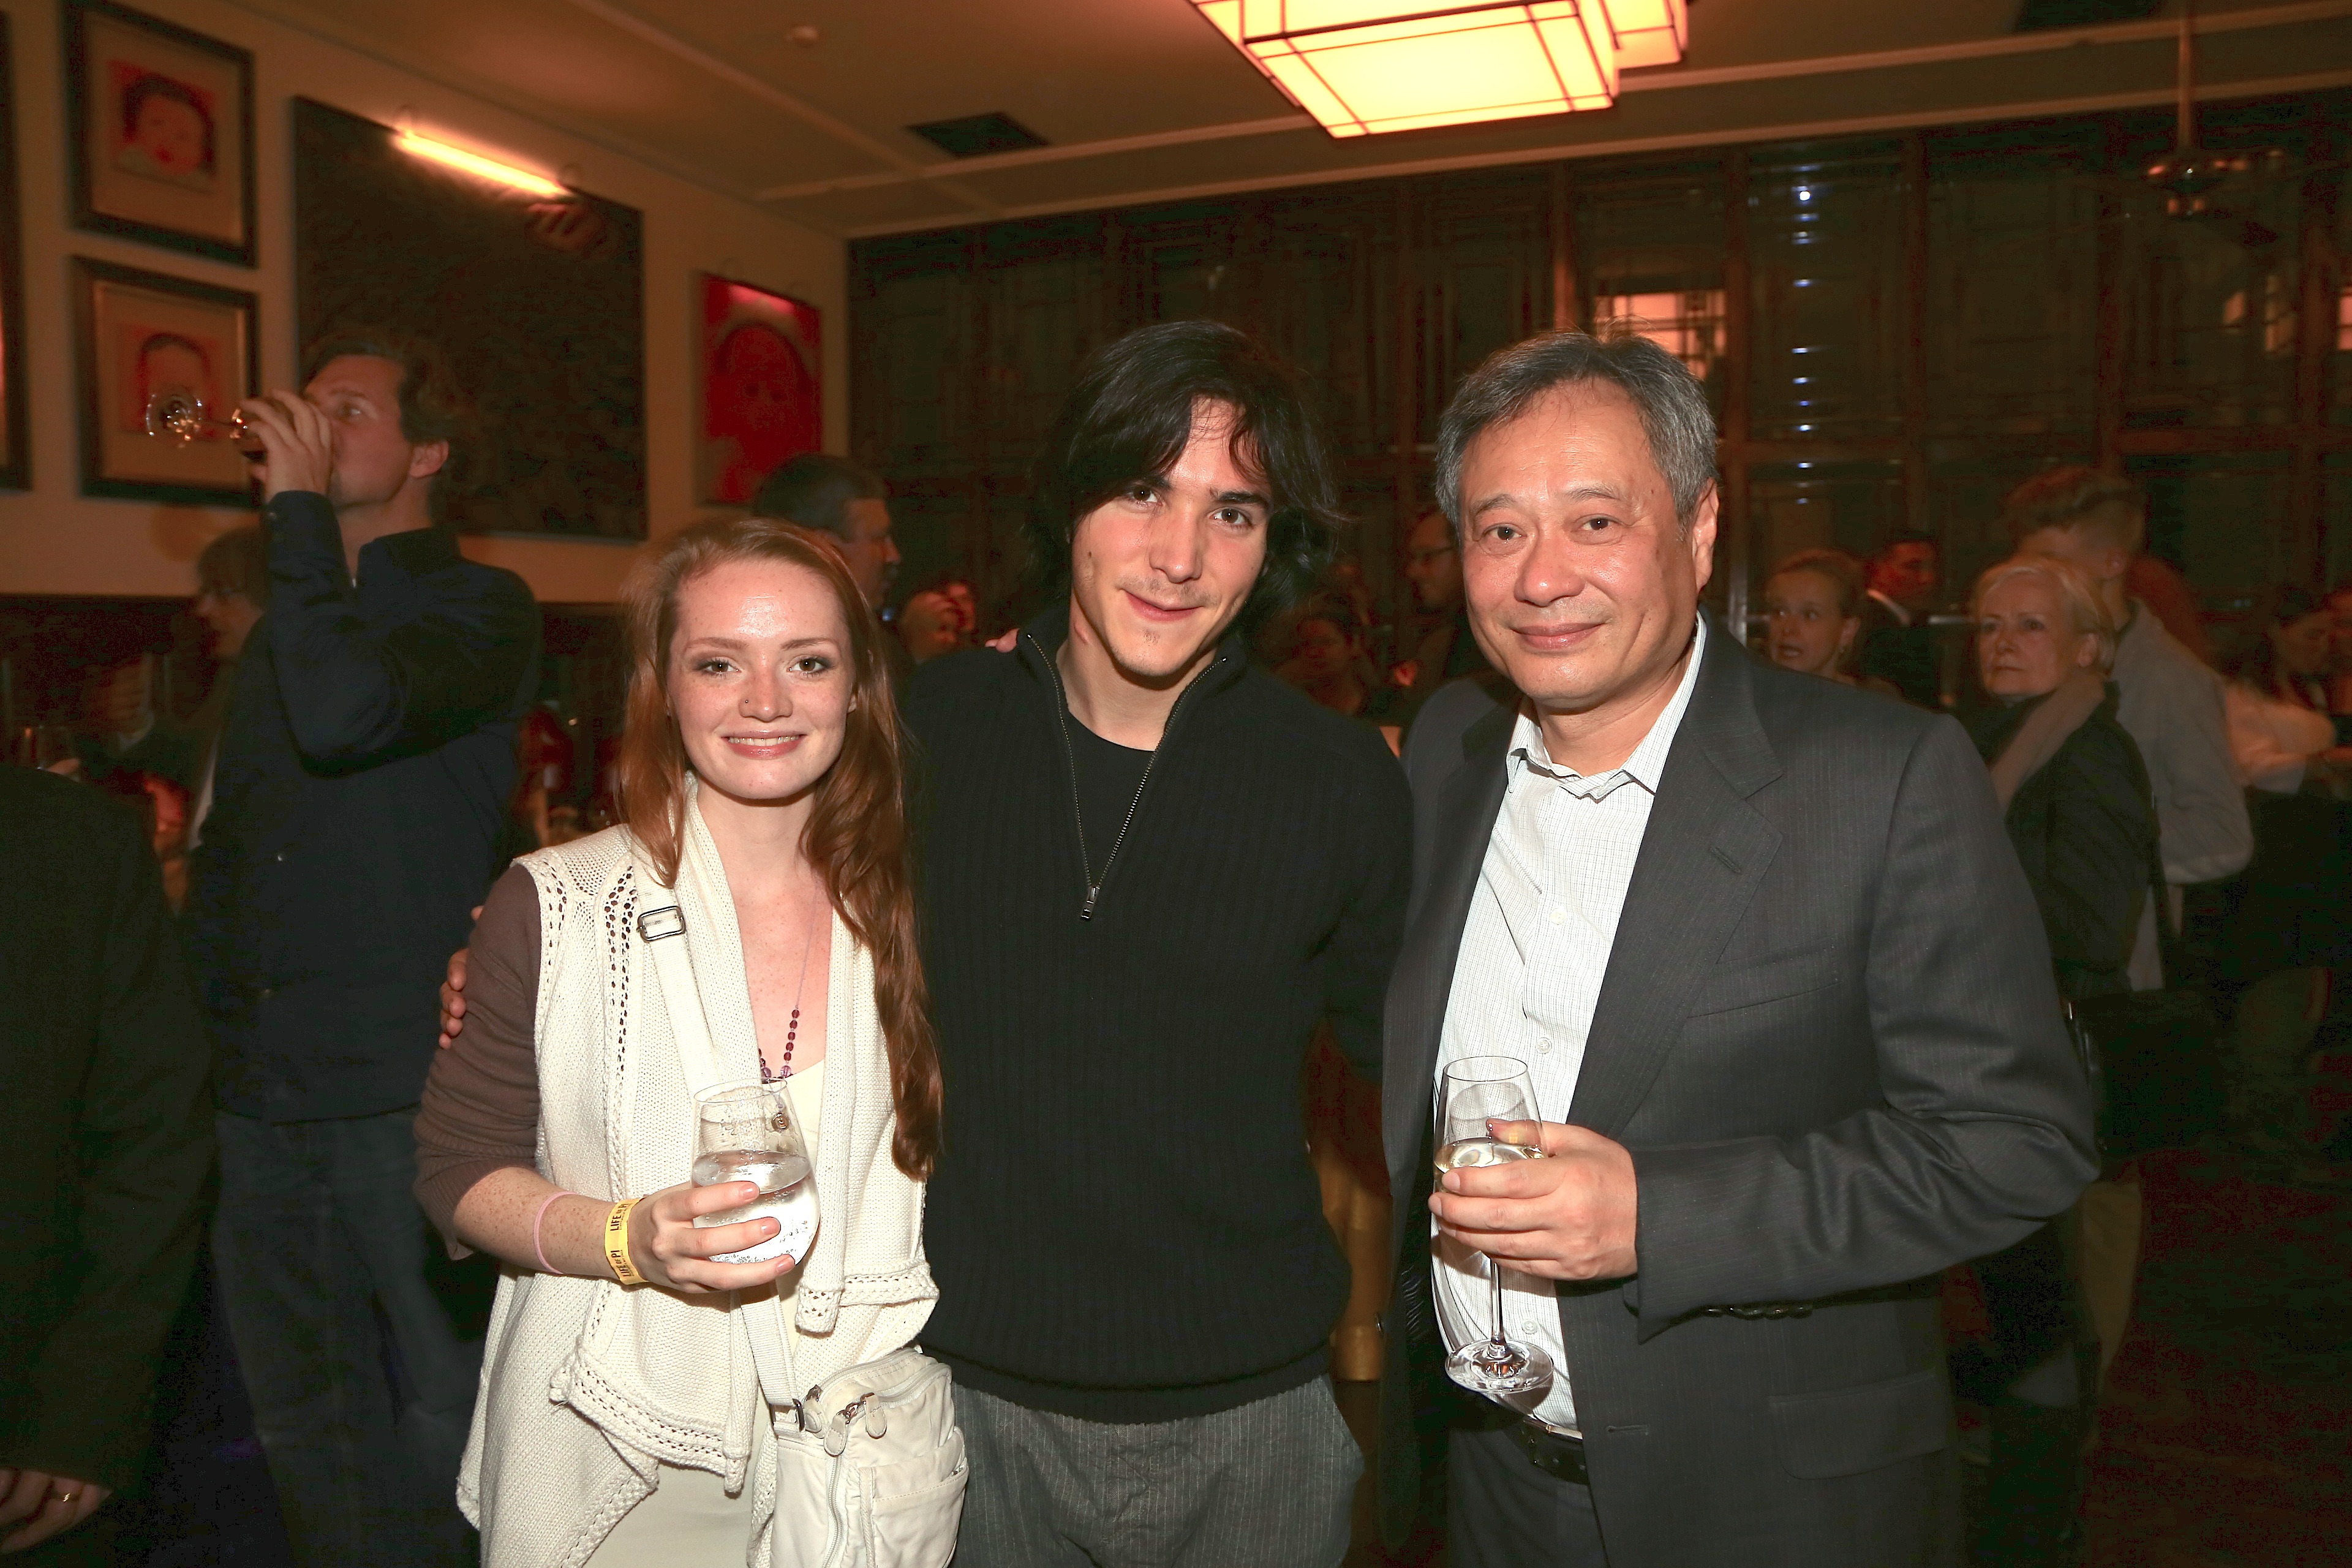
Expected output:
(759, 678)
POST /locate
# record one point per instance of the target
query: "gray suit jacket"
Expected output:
(1829, 1035)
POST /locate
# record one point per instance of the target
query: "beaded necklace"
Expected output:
(791, 1031)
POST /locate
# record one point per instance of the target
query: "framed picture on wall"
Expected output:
(762, 387)
(141, 335)
(15, 462)
(160, 124)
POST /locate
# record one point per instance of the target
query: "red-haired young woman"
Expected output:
(761, 784)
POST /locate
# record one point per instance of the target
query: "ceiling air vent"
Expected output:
(976, 135)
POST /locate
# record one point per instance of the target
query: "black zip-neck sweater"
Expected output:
(1124, 1223)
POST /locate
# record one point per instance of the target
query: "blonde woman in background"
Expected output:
(1813, 614)
(2076, 803)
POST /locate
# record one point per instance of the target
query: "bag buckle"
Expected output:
(655, 924)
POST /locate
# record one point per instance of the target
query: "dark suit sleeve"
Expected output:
(1363, 949)
(356, 696)
(2101, 853)
(1984, 1125)
(144, 1148)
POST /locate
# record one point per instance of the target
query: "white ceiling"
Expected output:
(1143, 100)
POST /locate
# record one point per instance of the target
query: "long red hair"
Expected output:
(856, 835)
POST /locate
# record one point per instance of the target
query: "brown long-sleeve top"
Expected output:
(480, 1110)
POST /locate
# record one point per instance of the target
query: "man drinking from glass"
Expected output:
(361, 777)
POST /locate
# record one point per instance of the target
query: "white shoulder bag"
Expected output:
(872, 1464)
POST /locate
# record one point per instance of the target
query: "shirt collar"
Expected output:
(1644, 767)
(1902, 615)
(416, 551)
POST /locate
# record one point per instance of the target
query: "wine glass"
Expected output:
(1485, 1116)
(747, 1133)
(180, 416)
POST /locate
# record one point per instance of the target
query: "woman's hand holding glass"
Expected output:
(672, 1253)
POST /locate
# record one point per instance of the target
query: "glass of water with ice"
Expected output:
(748, 1134)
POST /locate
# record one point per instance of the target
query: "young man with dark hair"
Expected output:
(1897, 645)
(431, 410)
(835, 496)
(360, 780)
(1150, 870)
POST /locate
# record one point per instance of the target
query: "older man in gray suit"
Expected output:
(1784, 1000)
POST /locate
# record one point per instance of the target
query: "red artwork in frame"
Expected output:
(762, 387)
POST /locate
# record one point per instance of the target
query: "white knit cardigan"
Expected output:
(586, 1385)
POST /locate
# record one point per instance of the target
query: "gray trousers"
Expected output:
(1266, 1485)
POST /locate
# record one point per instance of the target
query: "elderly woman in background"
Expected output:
(2077, 807)
(2069, 777)
(1812, 613)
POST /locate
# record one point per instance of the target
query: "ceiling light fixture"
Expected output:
(474, 163)
(1364, 66)
(1649, 32)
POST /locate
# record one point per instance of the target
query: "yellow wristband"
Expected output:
(616, 1244)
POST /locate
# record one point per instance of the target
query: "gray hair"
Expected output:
(1671, 401)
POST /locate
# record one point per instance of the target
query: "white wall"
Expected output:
(54, 540)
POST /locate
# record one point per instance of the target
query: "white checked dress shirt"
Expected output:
(1534, 952)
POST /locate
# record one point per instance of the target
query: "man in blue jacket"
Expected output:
(366, 763)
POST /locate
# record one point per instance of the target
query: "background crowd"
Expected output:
(2177, 792)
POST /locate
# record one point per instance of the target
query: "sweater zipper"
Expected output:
(1070, 755)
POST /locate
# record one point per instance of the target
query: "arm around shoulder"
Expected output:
(480, 1110)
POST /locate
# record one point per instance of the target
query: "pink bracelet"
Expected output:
(536, 1246)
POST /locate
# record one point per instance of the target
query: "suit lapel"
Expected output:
(1703, 856)
(1415, 1015)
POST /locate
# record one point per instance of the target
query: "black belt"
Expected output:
(1555, 1454)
